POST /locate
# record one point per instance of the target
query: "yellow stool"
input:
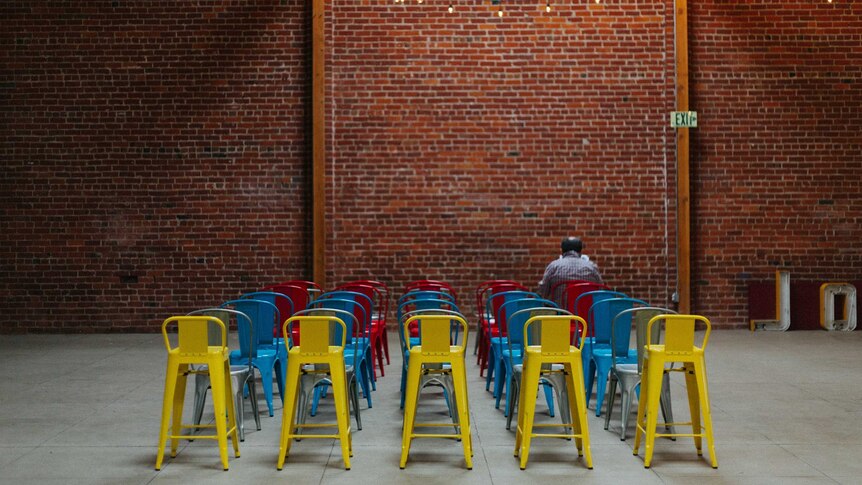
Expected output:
(678, 347)
(554, 333)
(193, 348)
(436, 348)
(315, 335)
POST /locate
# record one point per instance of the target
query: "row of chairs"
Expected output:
(600, 328)
(263, 347)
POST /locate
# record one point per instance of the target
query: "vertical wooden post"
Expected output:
(682, 160)
(318, 162)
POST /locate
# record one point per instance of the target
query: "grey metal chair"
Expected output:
(629, 375)
(552, 375)
(241, 375)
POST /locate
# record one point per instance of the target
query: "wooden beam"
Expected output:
(318, 134)
(682, 160)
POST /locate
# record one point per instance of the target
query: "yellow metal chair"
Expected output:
(316, 333)
(438, 346)
(679, 347)
(193, 348)
(548, 346)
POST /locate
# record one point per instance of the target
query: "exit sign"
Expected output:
(683, 119)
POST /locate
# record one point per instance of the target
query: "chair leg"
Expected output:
(179, 399)
(665, 402)
(167, 409)
(412, 397)
(549, 398)
(514, 399)
(653, 393)
(288, 414)
(578, 410)
(252, 391)
(611, 395)
(202, 383)
(385, 340)
(459, 376)
(703, 392)
(342, 412)
(527, 411)
(217, 381)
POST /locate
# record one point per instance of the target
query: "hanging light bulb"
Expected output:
(548, 6)
(500, 12)
(451, 8)
(419, 1)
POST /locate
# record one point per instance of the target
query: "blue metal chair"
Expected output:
(358, 335)
(601, 317)
(286, 309)
(262, 314)
(581, 308)
(495, 353)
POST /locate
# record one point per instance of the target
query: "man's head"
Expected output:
(572, 244)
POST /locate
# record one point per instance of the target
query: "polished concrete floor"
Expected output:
(787, 408)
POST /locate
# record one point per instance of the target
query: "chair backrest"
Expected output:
(515, 316)
(316, 332)
(298, 295)
(224, 314)
(310, 286)
(552, 332)
(193, 334)
(263, 316)
(498, 286)
(431, 285)
(520, 318)
(282, 302)
(381, 297)
(486, 286)
(363, 312)
(425, 304)
(348, 301)
(572, 291)
(679, 332)
(640, 317)
(424, 295)
(337, 335)
(556, 291)
(601, 317)
(585, 300)
(436, 332)
(497, 300)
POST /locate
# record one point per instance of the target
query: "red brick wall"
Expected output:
(464, 146)
(152, 158)
(155, 153)
(777, 159)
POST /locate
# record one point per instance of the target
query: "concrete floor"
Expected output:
(86, 408)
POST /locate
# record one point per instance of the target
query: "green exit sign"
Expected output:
(683, 119)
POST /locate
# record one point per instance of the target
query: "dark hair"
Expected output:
(572, 244)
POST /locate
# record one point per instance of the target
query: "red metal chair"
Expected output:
(487, 329)
(378, 332)
(300, 297)
(381, 315)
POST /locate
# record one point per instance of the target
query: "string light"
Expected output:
(451, 8)
(500, 12)
(548, 6)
